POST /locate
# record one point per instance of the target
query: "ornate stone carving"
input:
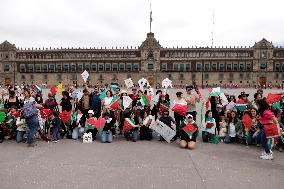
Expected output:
(263, 44)
(6, 46)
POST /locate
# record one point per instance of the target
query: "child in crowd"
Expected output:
(106, 136)
(90, 124)
(21, 129)
(168, 120)
(188, 139)
(223, 128)
(209, 128)
(55, 126)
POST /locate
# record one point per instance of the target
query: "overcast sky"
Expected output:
(96, 23)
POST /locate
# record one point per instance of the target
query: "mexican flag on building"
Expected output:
(128, 124)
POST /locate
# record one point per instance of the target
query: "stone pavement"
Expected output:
(124, 164)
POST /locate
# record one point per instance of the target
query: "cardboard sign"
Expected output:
(165, 131)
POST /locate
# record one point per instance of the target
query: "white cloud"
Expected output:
(96, 23)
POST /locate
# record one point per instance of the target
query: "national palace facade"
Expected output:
(262, 63)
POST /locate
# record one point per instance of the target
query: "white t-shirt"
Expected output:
(232, 130)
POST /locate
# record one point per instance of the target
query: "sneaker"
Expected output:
(55, 141)
(264, 153)
(267, 157)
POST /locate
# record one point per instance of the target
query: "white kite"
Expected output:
(77, 94)
(129, 83)
(126, 101)
(85, 75)
(166, 83)
(143, 83)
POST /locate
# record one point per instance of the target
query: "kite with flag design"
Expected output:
(247, 122)
(38, 88)
(189, 129)
(126, 101)
(114, 103)
(65, 117)
(180, 109)
(145, 100)
(273, 98)
(100, 123)
(128, 124)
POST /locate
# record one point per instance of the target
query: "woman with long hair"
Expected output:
(266, 119)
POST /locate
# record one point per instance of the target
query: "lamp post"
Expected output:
(202, 76)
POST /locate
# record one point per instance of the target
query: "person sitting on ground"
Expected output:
(208, 130)
(188, 140)
(169, 121)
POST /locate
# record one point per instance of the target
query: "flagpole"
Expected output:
(150, 18)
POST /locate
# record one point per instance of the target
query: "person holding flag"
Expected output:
(191, 100)
(188, 133)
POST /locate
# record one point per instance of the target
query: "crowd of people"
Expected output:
(106, 112)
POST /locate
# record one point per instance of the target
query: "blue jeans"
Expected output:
(77, 132)
(106, 136)
(20, 136)
(32, 125)
(264, 141)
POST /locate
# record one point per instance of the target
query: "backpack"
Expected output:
(96, 102)
(29, 110)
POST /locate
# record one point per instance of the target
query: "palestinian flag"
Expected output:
(180, 109)
(183, 123)
(91, 122)
(209, 123)
(272, 131)
(214, 91)
(241, 107)
(114, 85)
(37, 88)
(65, 117)
(144, 101)
(100, 123)
(114, 103)
(189, 129)
(164, 106)
(128, 124)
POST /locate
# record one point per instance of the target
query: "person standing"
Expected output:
(30, 113)
(191, 100)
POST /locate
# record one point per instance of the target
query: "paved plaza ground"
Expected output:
(124, 164)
